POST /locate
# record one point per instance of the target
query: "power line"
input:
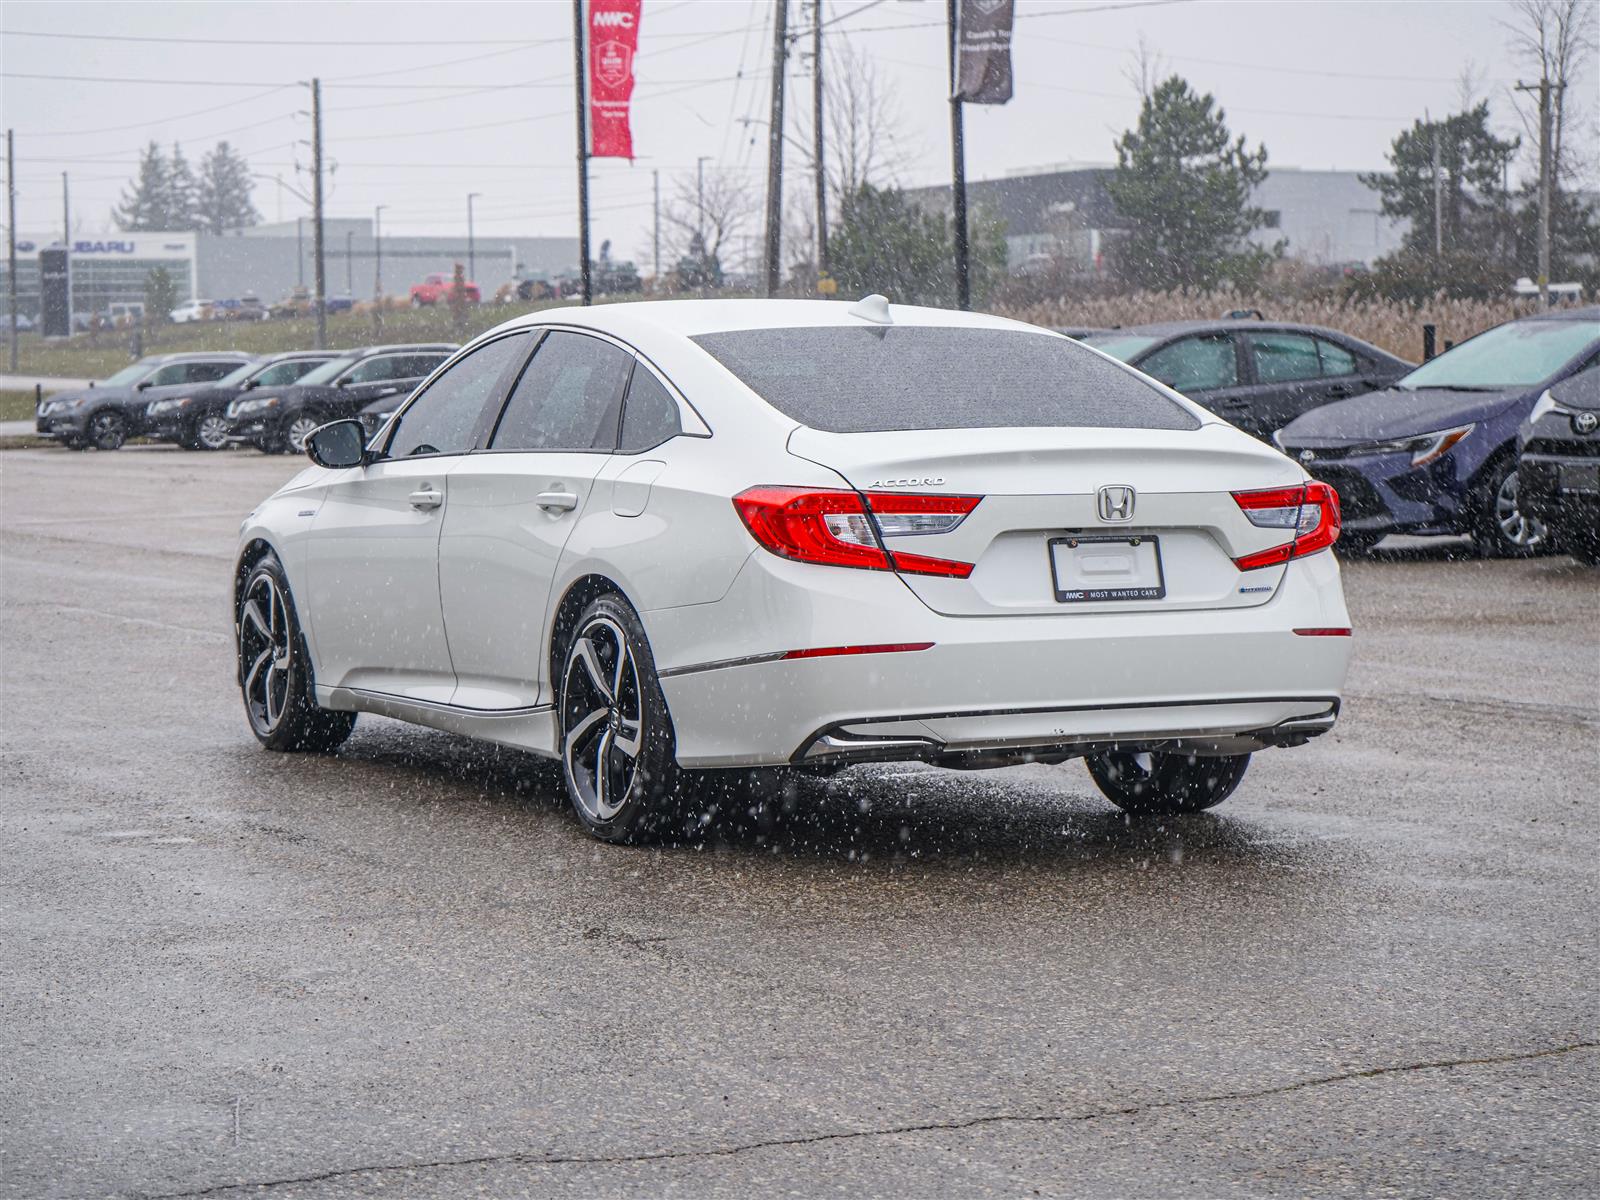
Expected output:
(198, 112)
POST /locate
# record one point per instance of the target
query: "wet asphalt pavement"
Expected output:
(404, 970)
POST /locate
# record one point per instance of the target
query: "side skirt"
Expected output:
(532, 729)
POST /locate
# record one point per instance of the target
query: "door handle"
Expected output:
(386, 392)
(426, 497)
(557, 501)
(1341, 390)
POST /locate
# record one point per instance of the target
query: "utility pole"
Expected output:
(11, 240)
(377, 253)
(780, 47)
(316, 215)
(816, 121)
(579, 71)
(655, 239)
(700, 198)
(472, 249)
(958, 168)
(66, 243)
(1546, 182)
(299, 252)
(350, 262)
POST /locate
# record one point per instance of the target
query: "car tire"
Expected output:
(1159, 783)
(106, 430)
(1499, 530)
(296, 431)
(275, 670)
(207, 432)
(618, 752)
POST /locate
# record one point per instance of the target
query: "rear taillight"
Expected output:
(1310, 510)
(840, 528)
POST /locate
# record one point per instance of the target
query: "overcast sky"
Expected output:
(426, 102)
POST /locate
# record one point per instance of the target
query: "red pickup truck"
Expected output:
(435, 289)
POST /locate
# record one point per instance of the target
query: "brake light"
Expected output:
(835, 527)
(1311, 510)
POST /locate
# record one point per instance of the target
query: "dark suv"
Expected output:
(1260, 375)
(276, 420)
(108, 415)
(197, 419)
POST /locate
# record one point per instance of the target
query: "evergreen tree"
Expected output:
(1183, 185)
(182, 192)
(1474, 216)
(160, 295)
(223, 199)
(883, 243)
(145, 203)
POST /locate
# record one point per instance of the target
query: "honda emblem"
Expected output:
(1115, 502)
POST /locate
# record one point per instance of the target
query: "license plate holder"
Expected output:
(1579, 477)
(1095, 567)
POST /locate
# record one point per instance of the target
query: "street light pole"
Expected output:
(11, 240)
(316, 194)
(472, 251)
(377, 253)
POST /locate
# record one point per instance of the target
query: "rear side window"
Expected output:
(444, 418)
(1284, 357)
(649, 415)
(1336, 360)
(1195, 364)
(843, 379)
(377, 369)
(210, 372)
(568, 397)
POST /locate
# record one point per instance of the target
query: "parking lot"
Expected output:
(405, 969)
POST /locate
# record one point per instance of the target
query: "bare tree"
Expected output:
(706, 219)
(1556, 39)
(1147, 69)
(864, 122)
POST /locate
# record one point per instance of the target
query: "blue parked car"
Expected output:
(1437, 452)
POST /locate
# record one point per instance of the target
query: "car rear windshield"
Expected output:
(1516, 354)
(841, 379)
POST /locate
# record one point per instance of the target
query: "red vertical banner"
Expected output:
(613, 41)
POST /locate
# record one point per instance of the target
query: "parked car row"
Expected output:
(1430, 449)
(208, 401)
(245, 308)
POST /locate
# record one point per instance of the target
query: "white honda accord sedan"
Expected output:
(661, 540)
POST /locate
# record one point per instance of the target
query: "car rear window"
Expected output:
(842, 379)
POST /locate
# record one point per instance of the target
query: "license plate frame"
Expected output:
(1090, 595)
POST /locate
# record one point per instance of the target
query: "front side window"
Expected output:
(170, 374)
(444, 418)
(568, 397)
(649, 414)
(1195, 364)
(378, 369)
(326, 372)
(418, 366)
(281, 374)
(850, 379)
(1284, 357)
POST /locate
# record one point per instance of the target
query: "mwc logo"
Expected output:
(613, 20)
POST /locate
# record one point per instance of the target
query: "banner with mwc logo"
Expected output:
(613, 39)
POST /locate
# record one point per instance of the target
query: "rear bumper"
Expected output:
(989, 688)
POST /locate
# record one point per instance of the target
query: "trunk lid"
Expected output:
(1040, 486)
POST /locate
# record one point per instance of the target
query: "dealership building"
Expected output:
(270, 261)
(1326, 218)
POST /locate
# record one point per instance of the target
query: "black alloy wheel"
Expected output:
(274, 671)
(617, 753)
(1153, 782)
(107, 430)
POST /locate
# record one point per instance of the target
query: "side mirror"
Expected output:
(337, 445)
(342, 382)
(251, 385)
(142, 386)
